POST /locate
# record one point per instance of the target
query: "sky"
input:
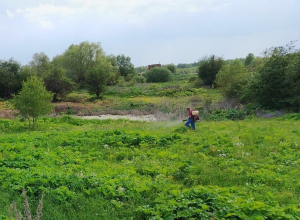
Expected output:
(148, 31)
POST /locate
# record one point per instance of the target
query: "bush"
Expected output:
(138, 79)
(76, 97)
(171, 67)
(158, 74)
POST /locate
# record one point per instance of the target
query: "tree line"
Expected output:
(81, 66)
(270, 82)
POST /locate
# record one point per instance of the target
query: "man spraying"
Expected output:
(193, 117)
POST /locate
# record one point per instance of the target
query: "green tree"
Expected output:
(292, 82)
(40, 63)
(98, 77)
(125, 66)
(113, 80)
(231, 79)
(278, 78)
(33, 100)
(249, 58)
(78, 59)
(209, 68)
(9, 71)
(158, 74)
(58, 83)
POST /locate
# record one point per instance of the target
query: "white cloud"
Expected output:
(9, 13)
(130, 11)
(45, 14)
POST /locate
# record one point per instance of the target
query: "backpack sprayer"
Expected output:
(195, 113)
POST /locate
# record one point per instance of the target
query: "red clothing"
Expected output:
(190, 113)
(194, 117)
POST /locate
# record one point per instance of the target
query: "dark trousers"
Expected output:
(190, 123)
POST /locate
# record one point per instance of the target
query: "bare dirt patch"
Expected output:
(6, 113)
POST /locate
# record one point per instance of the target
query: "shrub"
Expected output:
(138, 79)
(158, 74)
(76, 97)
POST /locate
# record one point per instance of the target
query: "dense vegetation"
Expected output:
(270, 81)
(242, 162)
(141, 170)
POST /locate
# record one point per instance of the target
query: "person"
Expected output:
(191, 120)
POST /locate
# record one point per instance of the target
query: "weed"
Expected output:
(14, 213)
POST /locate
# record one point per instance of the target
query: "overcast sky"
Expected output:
(148, 31)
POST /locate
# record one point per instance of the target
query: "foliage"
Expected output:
(158, 74)
(106, 169)
(190, 70)
(209, 68)
(138, 79)
(78, 59)
(98, 77)
(171, 67)
(57, 82)
(40, 63)
(141, 69)
(249, 58)
(231, 79)
(278, 80)
(187, 65)
(9, 83)
(125, 66)
(33, 100)
(76, 97)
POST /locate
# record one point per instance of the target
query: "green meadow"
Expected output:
(121, 169)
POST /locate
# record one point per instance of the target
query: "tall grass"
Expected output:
(134, 170)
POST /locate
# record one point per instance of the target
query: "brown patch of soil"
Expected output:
(6, 113)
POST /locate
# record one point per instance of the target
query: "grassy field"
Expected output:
(119, 169)
(93, 169)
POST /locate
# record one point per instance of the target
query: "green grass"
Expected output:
(141, 170)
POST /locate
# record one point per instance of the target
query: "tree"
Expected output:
(41, 63)
(249, 58)
(7, 83)
(278, 79)
(158, 74)
(78, 59)
(58, 83)
(33, 100)
(209, 68)
(9, 71)
(125, 66)
(98, 77)
(231, 79)
(292, 82)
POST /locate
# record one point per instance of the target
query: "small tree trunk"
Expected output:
(55, 97)
(33, 122)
